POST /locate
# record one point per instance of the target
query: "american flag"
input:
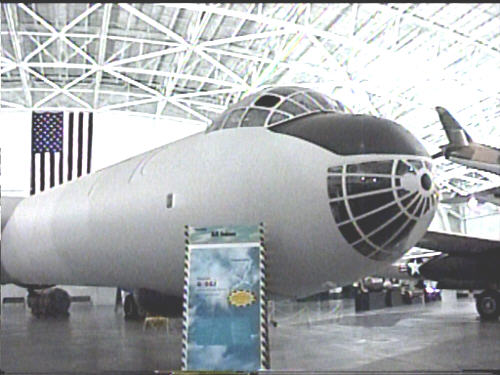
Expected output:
(60, 151)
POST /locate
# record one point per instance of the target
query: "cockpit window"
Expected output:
(267, 101)
(254, 117)
(274, 105)
(233, 120)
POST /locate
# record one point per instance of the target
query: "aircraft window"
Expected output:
(254, 117)
(338, 106)
(405, 202)
(335, 169)
(363, 205)
(339, 211)
(277, 117)
(305, 101)
(267, 101)
(284, 103)
(401, 192)
(375, 220)
(405, 167)
(234, 118)
(289, 107)
(362, 184)
(381, 236)
(378, 167)
(402, 236)
(416, 164)
(412, 208)
(426, 207)
(321, 100)
(352, 135)
(334, 186)
(350, 233)
(419, 209)
(364, 248)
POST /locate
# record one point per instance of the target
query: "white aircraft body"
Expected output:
(341, 196)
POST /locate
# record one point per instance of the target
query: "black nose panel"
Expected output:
(377, 204)
(347, 134)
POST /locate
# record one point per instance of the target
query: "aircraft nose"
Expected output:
(382, 207)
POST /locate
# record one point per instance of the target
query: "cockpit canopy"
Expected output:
(274, 105)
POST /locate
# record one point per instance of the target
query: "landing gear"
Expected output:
(131, 309)
(488, 304)
(49, 302)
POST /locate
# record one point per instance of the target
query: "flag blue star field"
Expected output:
(48, 132)
(56, 147)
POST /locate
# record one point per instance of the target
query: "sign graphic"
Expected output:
(225, 325)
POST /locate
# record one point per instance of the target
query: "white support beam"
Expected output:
(129, 8)
(133, 82)
(129, 104)
(59, 65)
(412, 17)
(205, 93)
(246, 38)
(222, 68)
(217, 108)
(90, 35)
(347, 79)
(150, 55)
(11, 105)
(84, 45)
(191, 111)
(8, 69)
(102, 50)
(280, 24)
(16, 44)
(119, 52)
(167, 74)
(62, 90)
(58, 34)
(47, 53)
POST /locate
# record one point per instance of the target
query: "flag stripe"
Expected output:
(42, 172)
(84, 144)
(36, 189)
(80, 143)
(89, 141)
(70, 146)
(33, 173)
(52, 169)
(61, 167)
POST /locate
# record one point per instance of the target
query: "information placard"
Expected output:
(225, 325)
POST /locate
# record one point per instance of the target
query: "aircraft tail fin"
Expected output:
(457, 136)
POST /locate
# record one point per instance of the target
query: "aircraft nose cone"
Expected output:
(382, 207)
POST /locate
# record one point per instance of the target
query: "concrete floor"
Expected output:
(310, 336)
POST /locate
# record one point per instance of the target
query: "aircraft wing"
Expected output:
(457, 244)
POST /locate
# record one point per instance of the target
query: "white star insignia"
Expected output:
(414, 267)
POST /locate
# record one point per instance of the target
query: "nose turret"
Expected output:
(382, 207)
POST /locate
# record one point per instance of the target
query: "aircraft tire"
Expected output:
(488, 305)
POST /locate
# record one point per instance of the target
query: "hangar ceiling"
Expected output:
(190, 61)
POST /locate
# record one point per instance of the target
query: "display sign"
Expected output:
(225, 317)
